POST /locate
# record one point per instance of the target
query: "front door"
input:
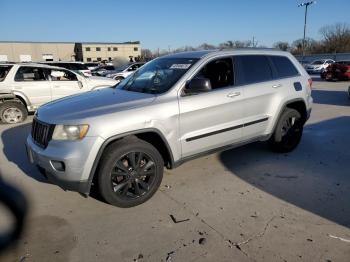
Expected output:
(64, 83)
(212, 119)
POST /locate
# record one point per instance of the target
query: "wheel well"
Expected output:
(156, 140)
(300, 107)
(22, 100)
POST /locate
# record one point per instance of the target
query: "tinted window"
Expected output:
(252, 69)
(3, 72)
(25, 73)
(219, 72)
(284, 67)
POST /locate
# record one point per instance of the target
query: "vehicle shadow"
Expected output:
(13, 140)
(314, 177)
(339, 98)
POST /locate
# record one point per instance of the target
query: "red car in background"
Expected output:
(340, 70)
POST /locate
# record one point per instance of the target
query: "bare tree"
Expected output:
(336, 38)
(146, 53)
(284, 46)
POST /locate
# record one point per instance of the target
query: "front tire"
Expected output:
(288, 132)
(131, 171)
(12, 112)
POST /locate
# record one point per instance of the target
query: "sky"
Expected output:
(165, 24)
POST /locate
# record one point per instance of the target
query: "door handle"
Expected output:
(231, 95)
(277, 86)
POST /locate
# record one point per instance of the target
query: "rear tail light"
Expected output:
(310, 83)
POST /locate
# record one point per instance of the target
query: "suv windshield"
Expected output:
(158, 76)
(4, 69)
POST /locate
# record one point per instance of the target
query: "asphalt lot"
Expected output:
(246, 204)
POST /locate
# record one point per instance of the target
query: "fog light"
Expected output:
(58, 165)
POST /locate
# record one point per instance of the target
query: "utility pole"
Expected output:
(306, 4)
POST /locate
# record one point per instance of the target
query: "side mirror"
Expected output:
(197, 85)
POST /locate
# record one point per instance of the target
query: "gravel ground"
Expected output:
(246, 204)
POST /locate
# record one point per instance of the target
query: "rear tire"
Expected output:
(131, 171)
(12, 112)
(288, 132)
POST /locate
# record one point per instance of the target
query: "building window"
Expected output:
(99, 58)
(115, 48)
(88, 59)
(98, 48)
(109, 49)
(136, 49)
(87, 49)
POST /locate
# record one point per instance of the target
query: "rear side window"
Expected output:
(4, 70)
(26, 73)
(284, 67)
(252, 69)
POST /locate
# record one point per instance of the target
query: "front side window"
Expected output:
(28, 73)
(219, 72)
(4, 70)
(158, 76)
(252, 69)
(317, 62)
(61, 75)
(284, 67)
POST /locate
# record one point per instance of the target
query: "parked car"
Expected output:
(318, 66)
(37, 84)
(340, 70)
(124, 71)
(173, 109)
(92, 66)
(78, 67)
(103, 70)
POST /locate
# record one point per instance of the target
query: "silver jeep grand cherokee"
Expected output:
(173, 109)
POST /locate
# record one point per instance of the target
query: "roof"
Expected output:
(32, 64)
(101, 43)
(204, 53)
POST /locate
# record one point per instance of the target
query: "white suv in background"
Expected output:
(37, 84)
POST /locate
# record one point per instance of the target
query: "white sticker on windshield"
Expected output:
(180, 66)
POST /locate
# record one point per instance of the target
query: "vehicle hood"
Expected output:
(98, 80)
(77, 108)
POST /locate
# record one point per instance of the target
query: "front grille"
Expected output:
(41, 133)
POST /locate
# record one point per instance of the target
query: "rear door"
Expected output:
(63, 83)
(33, 83)
(212, 119)
(256, 76)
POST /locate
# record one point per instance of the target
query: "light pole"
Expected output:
(306, 4)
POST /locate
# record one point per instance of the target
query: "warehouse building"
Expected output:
(67, 51)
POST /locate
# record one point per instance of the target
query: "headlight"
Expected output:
(70, 132)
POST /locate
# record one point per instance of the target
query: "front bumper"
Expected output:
(78, 158)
